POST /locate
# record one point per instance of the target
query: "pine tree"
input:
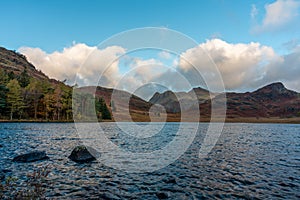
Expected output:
(49, 102)
(46, 99)
(24, 78)
(3, 99)
(112, 105)
(67, 102)
(58, 103)
(3, 77)
(102, 108)
(14, 98)
(11, 76)
(35, 92)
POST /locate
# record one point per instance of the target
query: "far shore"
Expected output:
(294, 120)
(34, 121)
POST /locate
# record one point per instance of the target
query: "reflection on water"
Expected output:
(249, 161)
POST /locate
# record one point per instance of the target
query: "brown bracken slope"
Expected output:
(12, 61)
(271, 101)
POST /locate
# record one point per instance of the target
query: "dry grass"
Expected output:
(33, 188)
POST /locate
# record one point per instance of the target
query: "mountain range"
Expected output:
(273, 101)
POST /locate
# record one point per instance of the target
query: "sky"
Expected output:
(252, 43)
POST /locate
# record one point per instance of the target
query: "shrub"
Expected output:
(34, 187)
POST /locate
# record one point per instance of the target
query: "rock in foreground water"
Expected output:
(2, 176)
(162, 195)
(31, 157)
(82, 154)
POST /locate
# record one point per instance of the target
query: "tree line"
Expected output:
(27, 98)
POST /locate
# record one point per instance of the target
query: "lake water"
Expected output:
(249, 161)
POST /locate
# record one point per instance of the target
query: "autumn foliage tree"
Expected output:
(14, 98)
(30, 98)
(102, 108)
(3, 104)
(34, 92)
(24, 78)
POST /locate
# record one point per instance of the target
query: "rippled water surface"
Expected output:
(249, 161)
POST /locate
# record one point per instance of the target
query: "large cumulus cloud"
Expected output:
(278, 15)
(243, 66)
(286, 70)
(85, 62)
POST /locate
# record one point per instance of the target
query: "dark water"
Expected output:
(250, 161)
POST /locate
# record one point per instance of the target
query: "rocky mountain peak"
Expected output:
(12, 61)
(275, 91)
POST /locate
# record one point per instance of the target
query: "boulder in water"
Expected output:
(162, 195)
(82, 154)
(31, 157)
(2, 176)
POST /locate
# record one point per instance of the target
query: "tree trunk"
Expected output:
(46, 112)
(35, 110)
(11, 115)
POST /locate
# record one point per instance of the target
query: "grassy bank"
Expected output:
(295, 120)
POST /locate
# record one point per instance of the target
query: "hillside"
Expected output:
(11, 61)
(37, 97)
(271, 101)
(172, 100)
(138, 108)
(28, 94)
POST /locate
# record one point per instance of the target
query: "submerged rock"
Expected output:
(3, 173)
(82, 154)
(171, 180)
(6, 170)
(162, 195)
(31, 157)
(2, 176)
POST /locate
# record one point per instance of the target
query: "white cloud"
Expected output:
(164, 55)
(141, 72)
(243, 66)
(136, 62)
(94, 66)
(278, 15)
(254, 11)
(292, 44)
(286, 70)
(73, 60)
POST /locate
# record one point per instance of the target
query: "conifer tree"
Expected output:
(3, 77)
(35, 92)
(103, 109)
(3, 96)
(24, 78)
(14, 98)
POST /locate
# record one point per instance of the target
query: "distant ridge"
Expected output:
(12, 61)
(275, 91)
(271, 101)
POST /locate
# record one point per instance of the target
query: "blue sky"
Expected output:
(56, 25)
(53, 25)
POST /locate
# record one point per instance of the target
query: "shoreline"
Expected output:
(295, 120)
(35, 121)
